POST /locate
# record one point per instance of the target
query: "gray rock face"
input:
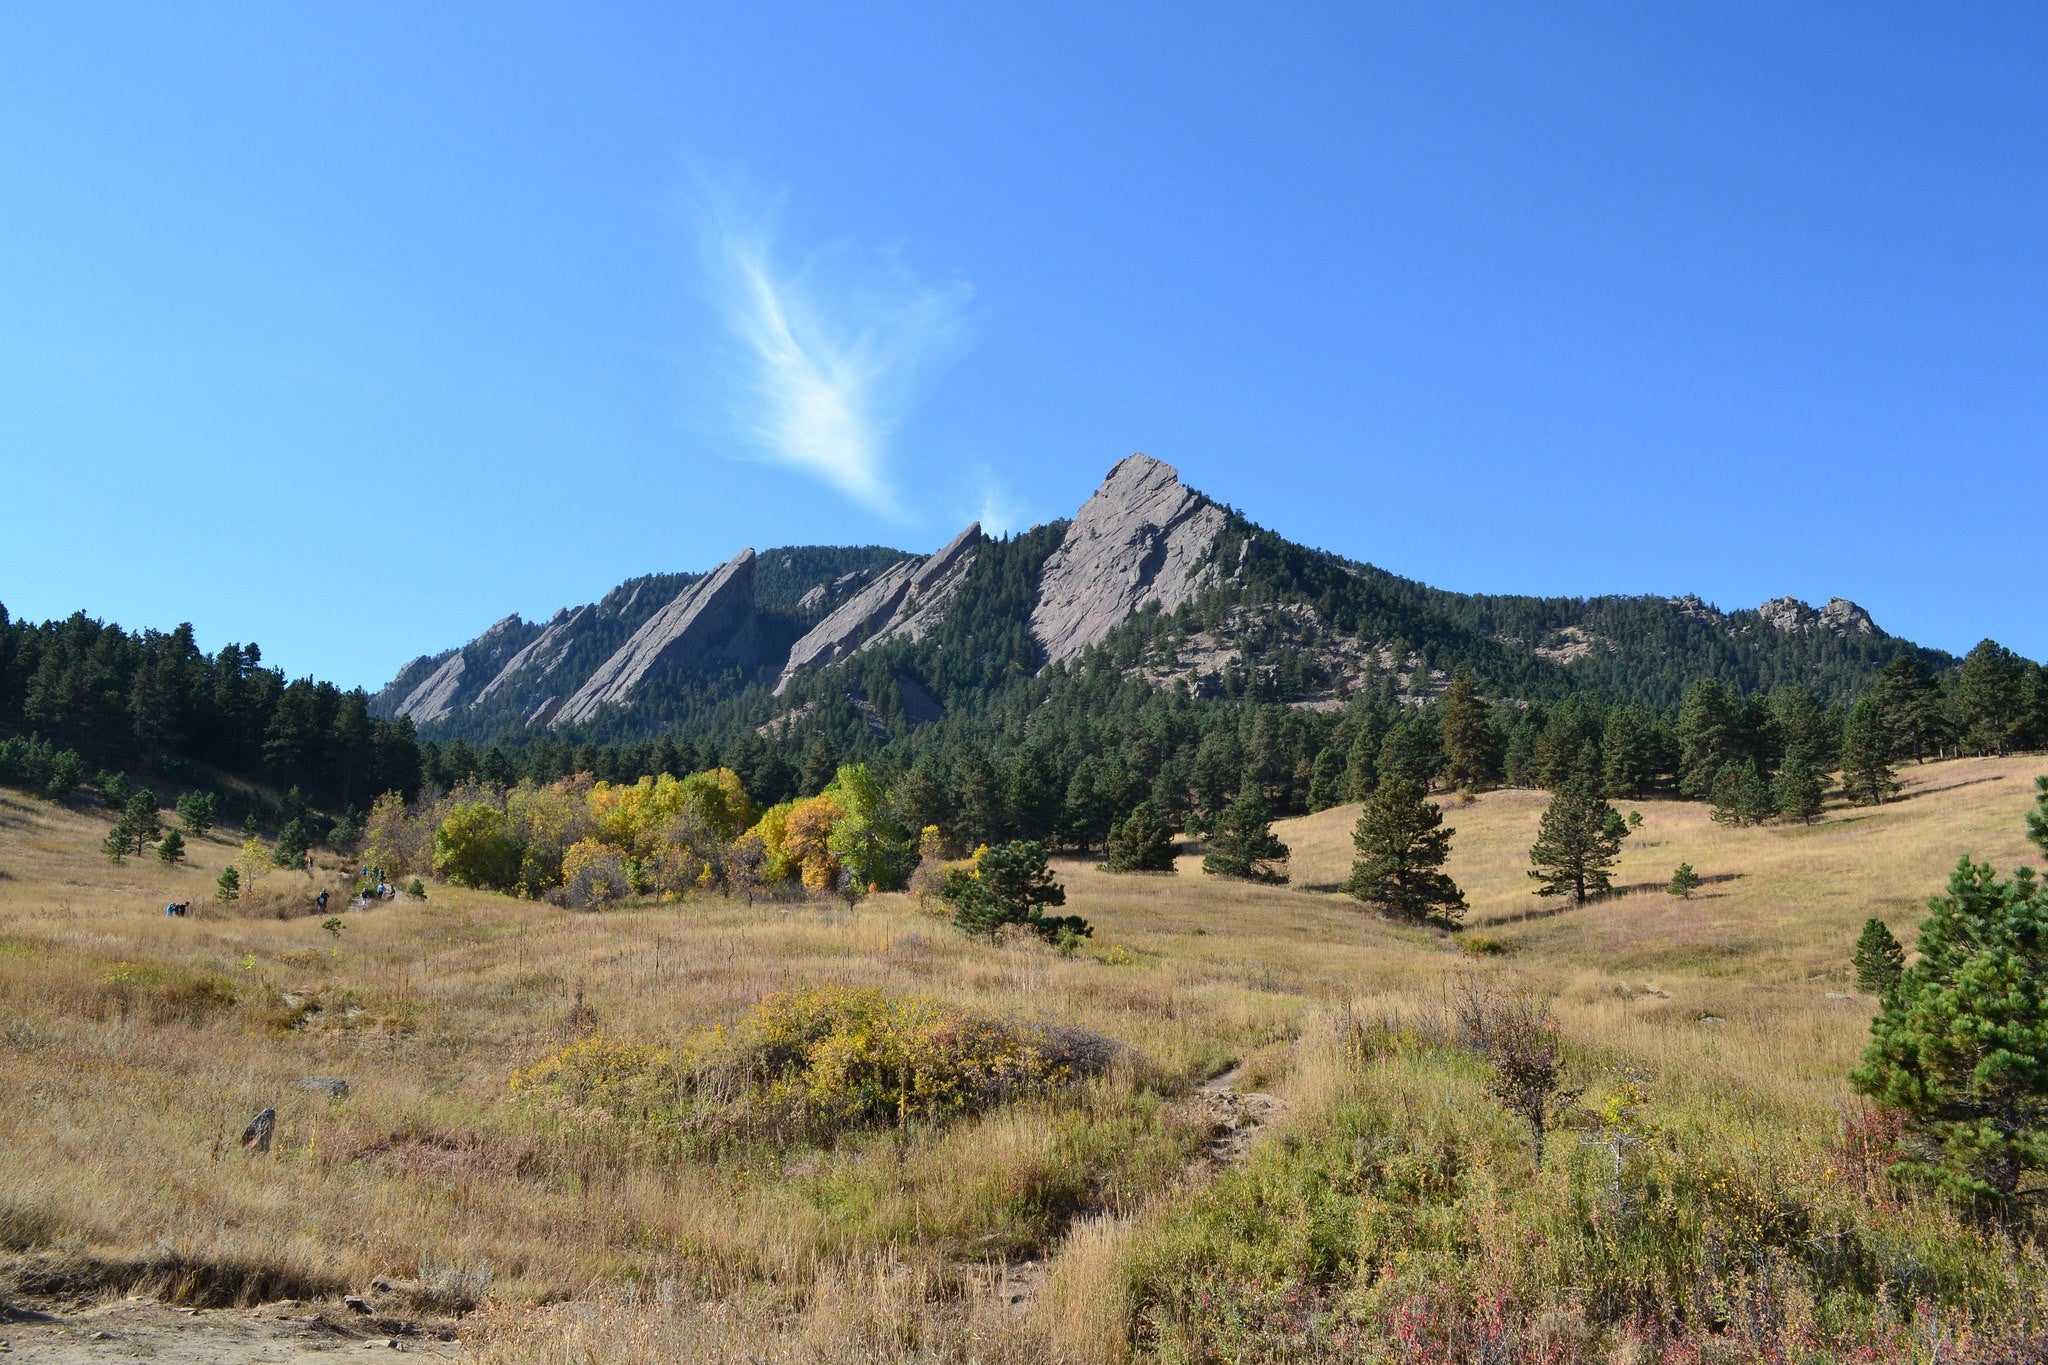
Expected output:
(1142, 538)
(542, 655)
(1790, 616)
(449, 685)
(907, 599)
(708, 622)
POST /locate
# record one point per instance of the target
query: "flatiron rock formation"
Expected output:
(908, 599)
(1142, 538)
(707, 622)
(461, 673)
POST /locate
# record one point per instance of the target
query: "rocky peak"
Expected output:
(1143, 537)
(1790, 616)
(906, 599)
(710, 621)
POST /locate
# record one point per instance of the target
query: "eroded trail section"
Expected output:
(1240, 1115)
(146, 1329)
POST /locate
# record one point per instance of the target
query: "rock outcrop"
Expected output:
(1142, 538)
(707, 624)
(458, 675)
(906, 600)
(543, 655)
(1790, 616)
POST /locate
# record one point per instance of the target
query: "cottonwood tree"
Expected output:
(1577, 844)
(1402, 846)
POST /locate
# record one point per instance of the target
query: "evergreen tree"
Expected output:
(1471, 749)
(171, 851)
(120, 841)
(1414, 750)
(295, 840)
(1577, 844)
(197, 811)
(1961, 1043)
(229, 887)
(821, 765)
(1879, 959)
(1243, 845)
(1326, 781)
(1011, 884)
(1362, 766)
(1799, 790)
(1909, 699)
(1085, 814)
(1991, 698)
(1140, 842)
(140, 817)
(1627, 759)
(1402, 845)
(1742, 795)
(922, 800)
(1684, 881)
(1708, 737)
(1801, 727)
(1867, 775)
(2037, 818)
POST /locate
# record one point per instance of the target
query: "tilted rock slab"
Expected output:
(707, 622)
(544, 654)
(441, 692)
(906, 599)
(1142, 538)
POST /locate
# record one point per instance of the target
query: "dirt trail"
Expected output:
(146, 1329)
(1240, 1118)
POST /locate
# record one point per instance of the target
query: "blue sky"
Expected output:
(352, 331)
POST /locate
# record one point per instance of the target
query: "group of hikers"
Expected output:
(371, 887)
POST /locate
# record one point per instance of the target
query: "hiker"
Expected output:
(178, 908)
(320, 901)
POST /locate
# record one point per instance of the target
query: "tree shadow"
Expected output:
(1919, 792)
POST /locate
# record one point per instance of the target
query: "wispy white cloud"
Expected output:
(998, 512)
(829, 353)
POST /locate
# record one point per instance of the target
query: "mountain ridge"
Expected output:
(1178, 589)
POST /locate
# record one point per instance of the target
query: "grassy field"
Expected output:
(1083, 1225)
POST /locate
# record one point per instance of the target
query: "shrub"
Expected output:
(474, 847)
(593, 875)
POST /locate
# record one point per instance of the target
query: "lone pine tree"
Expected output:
(1577, 844)
(1867, 775)
(1402, 846)
(1799, 789)
(1140, 843)
(1684, 881)
(1879, 959)
(1244, 845)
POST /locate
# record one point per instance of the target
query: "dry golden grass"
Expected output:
(133, 1048)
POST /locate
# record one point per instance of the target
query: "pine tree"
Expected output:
(1140, 842)
(1991, 697)
(1577, 844)
(1471, 749)
(1011, 884)
(141, 819)
(171, 851)
(1362, 765)
(1243, 845)
(1909, 699)
(120, 841)
(821, 765)
(1326, 781)
(1626, 759)
(1742, 795)
(229, 887)
(1879, 959)
(1684, 881)
(1799, 790)
(1958, 1043)
(2037, 818)
(1867, 775)
(197, 811)
(1708, 736)
(1402, 846)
